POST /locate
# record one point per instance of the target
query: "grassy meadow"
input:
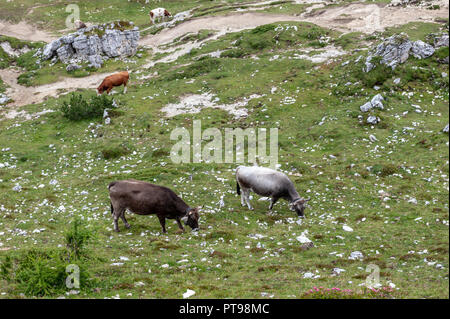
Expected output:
(391, 191)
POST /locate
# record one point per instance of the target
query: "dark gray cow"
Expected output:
(143, 198)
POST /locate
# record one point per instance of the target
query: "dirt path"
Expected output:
(361, 17)
(36, 94)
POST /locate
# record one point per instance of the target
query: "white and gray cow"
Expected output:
(269, 183)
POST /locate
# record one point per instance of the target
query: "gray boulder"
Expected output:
(393, 51)
(376, 102)
(441, 41)
(4, 99)
(373, 120)
(94, 44)
(366, 107)
(422, 50)
(396, 50)
(445, 130)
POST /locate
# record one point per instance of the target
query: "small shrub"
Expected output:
(77, 237)
(78, 108)
(38, 272)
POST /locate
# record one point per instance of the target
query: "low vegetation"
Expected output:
(390, 192)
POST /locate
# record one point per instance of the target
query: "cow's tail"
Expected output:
(238, 188)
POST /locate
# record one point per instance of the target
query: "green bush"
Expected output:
(38, 272)
(78, 108)
(77, 237)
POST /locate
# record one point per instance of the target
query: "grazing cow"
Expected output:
(270, 183)
(79, 24)
(114, 80)
(144, 199)
(158, 13)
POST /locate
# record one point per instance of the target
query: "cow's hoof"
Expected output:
(128, 226)
(179, 231)
(117, 230)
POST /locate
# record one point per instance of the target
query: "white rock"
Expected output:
(347, 228)
(188, 293)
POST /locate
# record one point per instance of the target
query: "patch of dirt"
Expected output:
(25, 31)
(22, 95)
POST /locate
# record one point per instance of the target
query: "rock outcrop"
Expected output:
(94, 44)
(396, 50)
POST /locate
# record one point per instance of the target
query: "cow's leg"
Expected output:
(118, 211)
(247, 200)
(242, 196)
(162, 221)
(125, 87)
(109, 90)
(124, 219)
(179, 224)
(273, 200)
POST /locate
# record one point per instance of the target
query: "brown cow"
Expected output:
(143, 198)
(116, 79)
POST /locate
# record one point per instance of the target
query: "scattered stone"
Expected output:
(376, 102)
(372, 138)
(373, 120)
(397, 81)
(356, 255)
(188, 293)
(4, 99)
(347, 228)
(73, 67)
(445, 130)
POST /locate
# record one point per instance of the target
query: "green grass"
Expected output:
(321, 143)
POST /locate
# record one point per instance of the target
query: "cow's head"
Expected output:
(167, 13)
(151, 14)
(191, 218)
(100, 90)
(299, 206)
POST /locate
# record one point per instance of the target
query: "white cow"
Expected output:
(158, 13)
(270, 183)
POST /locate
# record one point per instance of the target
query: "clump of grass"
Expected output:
(202, 66)
(78, 108)
(115, 150)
